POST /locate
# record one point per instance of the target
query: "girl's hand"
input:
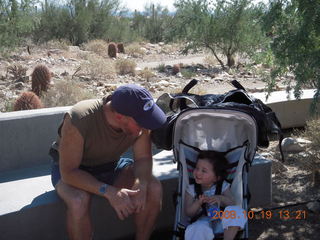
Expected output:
(202, 198)
(216, 199)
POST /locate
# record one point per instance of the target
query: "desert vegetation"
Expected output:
(281, 36)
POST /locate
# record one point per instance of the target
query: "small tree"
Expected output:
(295, 29)
(226, 27)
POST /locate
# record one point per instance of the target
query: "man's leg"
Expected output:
(146, 219)
(78, 215)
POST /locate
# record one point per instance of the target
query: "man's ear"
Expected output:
(118, 116)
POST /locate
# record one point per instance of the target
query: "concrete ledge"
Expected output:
(26, 137)
(31, 209)
(291, 112)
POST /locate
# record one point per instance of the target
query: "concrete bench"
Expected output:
(30, 208)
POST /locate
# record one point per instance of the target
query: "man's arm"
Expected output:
(70, 150)
(142, 168)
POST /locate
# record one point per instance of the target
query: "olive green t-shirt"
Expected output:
(102, 144)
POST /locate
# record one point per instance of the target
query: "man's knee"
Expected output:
(77, 200)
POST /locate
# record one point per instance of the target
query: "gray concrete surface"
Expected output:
(291, 112)
(26, 136)
(30, 208)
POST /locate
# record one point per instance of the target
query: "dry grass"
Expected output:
(98, 46)
(211, 60)
(146, 74)
(65, 93)
(59, 44)
(126, 66)
(312, 132)
(17, 71)
(97, 67)
(135, 50)
(170, 48)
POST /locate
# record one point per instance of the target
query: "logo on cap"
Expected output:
(148, 105)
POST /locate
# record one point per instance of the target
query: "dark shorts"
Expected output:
(106, 173)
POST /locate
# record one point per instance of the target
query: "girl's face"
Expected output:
(204, 173)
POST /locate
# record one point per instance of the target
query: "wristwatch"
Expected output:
(103, 189)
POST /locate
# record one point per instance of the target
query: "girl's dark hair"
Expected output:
(218, 162)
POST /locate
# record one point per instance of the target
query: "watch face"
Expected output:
(103, 188)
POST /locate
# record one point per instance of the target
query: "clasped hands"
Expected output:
(216, 199)
(127, 201)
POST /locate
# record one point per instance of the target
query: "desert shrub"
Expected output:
(112, 50)
(60, 44)
(17, 71)
(40, 78)
(7, 106)
(175, 69)
(312, 132)
(27, 101)
(146, 74)
(97, 67)
(135, 50)
(97, 46)
(126, 66)
(186, 73)
(161, 68)
(120, 48)
(65, 93)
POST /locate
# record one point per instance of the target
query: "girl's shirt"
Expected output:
(191, 190)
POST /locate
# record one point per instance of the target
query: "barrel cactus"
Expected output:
(41, 76)
(27, 101)
(112, 50)
(120, 48)
(176, 68)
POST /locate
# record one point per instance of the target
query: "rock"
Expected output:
(73, 49)
(314, 207)
(19, 85)
(179, 75)
(266, 155)
(65, 73)
(163, 83)
(292, 145)
(23, 79)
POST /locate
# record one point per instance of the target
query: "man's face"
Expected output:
(131, 127)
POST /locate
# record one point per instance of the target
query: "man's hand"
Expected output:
(139, 199)
(120, 200)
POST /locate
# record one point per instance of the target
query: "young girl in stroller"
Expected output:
(202, 203)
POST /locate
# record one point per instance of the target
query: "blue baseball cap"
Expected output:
(136, 102)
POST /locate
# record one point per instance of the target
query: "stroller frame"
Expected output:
(232, 132)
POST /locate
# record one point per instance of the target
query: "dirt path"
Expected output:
(188, 60)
